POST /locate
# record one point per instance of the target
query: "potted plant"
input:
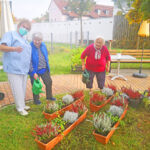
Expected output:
(105, 123)
(134, 96)
(98, 101)
(51, 110)
(60, 127)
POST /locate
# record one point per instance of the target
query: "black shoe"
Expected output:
(37, 102)
(2, 96)
(52, 99)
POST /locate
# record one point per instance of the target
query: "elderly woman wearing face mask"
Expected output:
(40, 66)
(97, 62)
(16, 62)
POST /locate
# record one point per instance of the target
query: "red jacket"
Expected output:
(91, 63)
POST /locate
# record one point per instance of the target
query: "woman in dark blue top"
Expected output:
(40, 66)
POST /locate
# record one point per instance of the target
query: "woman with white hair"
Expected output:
(97, 62)
(40, 66)
(16, 62)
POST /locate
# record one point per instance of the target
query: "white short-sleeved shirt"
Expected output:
(14, 62)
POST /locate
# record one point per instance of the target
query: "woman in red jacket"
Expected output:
(97, 62)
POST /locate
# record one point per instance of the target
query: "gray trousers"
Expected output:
(48, 84)
(18, 86)
(100, 76)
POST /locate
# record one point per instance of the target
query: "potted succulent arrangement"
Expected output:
(48, 135)
(135, 97)
(105, 123)
(52, 109)
(98, 101)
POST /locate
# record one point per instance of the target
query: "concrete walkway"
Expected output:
(72, 82)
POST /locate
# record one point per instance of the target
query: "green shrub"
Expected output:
(76, 57)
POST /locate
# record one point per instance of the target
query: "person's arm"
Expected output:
(83, 56)
(5, 48)
(108, 66)
(83, 64)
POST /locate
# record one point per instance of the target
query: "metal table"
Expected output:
(119, 57)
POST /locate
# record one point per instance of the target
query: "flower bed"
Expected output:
(105, 123)
(76, 109)
(104, 139)
(69, 99)
(61, 111)
(95, 108)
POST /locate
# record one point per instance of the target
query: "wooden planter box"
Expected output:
(58, 138)
(104, 139)
(95, 108)
(61, 111)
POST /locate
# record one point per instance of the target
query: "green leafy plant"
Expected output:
(76, 57)
(59, 122)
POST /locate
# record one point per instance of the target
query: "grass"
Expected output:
(16, 131)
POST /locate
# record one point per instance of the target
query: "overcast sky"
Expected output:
(34, 8)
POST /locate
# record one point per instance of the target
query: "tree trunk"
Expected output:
(81, 39)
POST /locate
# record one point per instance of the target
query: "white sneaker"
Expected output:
(23, 112)
(26, 107)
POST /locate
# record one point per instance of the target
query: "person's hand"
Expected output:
(83, 67)
(18, 49)
(35, 76)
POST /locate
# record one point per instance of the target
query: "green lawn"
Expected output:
(16, 130)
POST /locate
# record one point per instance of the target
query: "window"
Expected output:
(106, 12)
(98, 11)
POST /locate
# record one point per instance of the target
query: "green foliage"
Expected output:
(80, 7)
(76, 56)
(59, 122)
(140, 11)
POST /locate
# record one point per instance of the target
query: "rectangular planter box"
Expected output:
(104, 139)
(95, 108)
(55, 114)
(58, 138)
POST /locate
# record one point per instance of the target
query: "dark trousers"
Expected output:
(48, 84)
(100, 76)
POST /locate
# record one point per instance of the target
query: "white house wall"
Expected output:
(56, 13)
(62, 30)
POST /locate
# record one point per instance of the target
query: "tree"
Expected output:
(123, 5)
(81, 8)
(140, 11)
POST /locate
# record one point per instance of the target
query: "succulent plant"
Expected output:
(102, 123)
(68, 99)
(115, 110)
(70, 117)
(107, 91)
